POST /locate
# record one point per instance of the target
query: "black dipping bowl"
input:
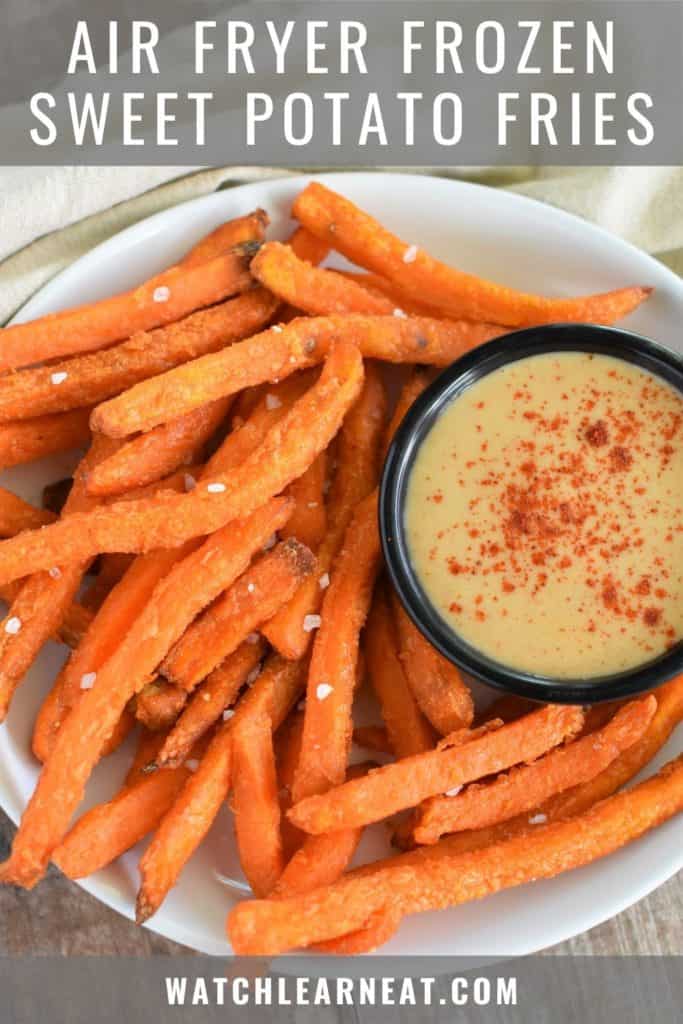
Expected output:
(415, 426)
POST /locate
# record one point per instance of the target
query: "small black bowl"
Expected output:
(415, 426)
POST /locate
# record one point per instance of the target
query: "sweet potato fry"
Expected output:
(91, 378)
(287, 753)
(149, 745)
(285, 631)
(288, 747)
(193, 813)
(408, 782)
(255, 803)
(356, 476)
(154, 455)
(429, 879)
(316, 291)
(26, 440)
(163, 299)
(320, 860)
(216, 694)
(267, 411)
(437, 686)
(43, 599)
(597, 716)
(185, 824)
(332, 672)
(526, 787)
(580, 798)
(109, 829)
(168, 520)
(307, 247)
(110, 571)
(373, 737)
(667, 716)
(275, 691)
(250, 228)
(119, 733)
(418, 380)
(175, 482)
(399, 300)
(250, 602)
(364, 241)
(308, 522)
(74, 625)
(17, 515)
(110, 625)
(274, 354)
(175, 602)
(229, 621)
(159, 704)
(358, 452)
(33, 617)
(409, 731)
(378, 929)
(509, 707)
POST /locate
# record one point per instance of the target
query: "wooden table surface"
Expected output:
(59, 918)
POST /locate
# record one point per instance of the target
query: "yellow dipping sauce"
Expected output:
(544, 515)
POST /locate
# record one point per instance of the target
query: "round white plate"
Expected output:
(502, 236)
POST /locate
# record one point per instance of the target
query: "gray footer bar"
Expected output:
(83, 990)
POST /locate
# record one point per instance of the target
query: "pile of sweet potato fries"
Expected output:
(216, 570)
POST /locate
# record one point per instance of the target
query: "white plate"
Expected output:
(505, 237)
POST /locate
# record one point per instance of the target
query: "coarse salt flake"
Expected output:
(311, 504)
(88, 680)
(538, 819)
(323, 690)
(400, 314)
(215, 488)
(311, 622)
(161, 294)
(58, 378)
(189, 482)
(273, 402)
(192, 764)
(206, 696)
(324, 581)
(55, 572)
(228, 714)
(410, 255)
(276, 328)
(453, 792)
(251, 587)
(13, 625)
(253, 675)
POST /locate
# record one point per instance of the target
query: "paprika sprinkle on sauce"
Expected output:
(544, 515)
